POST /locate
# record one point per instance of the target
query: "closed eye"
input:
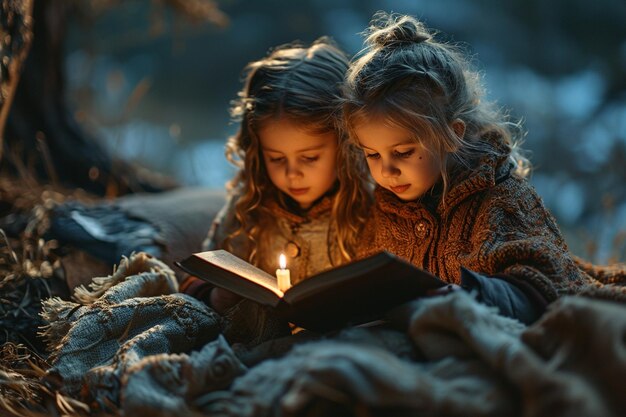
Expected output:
(374, 155)
(404, 154)
(276, 160)
(310, 158)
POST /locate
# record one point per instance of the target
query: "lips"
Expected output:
(399, 189)
(298, 191)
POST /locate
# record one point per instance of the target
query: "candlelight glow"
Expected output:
(282, 261)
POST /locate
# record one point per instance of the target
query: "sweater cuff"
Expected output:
(510, 299)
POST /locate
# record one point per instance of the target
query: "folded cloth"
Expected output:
(168, 225)
(125, 318)
(474, 361)
(169, 384)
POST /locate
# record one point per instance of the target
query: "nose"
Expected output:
(389, 170)
(292, 171)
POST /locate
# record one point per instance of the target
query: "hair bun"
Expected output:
(395, 30)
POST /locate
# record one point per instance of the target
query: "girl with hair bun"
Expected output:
(451, 190)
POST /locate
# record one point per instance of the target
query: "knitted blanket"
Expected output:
(132, 345)
(106, 347)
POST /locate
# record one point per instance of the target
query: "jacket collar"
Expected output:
(489, 171)
(485, 173)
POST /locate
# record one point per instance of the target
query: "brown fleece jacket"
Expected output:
(491, 221)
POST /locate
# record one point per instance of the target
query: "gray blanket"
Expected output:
(131, 343)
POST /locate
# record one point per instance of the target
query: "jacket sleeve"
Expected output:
(223, 224)
(519, 239)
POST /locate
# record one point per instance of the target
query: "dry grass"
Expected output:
(29, 269)
(24, 391)
(29, 272)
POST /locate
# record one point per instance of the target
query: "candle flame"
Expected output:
(282, 261)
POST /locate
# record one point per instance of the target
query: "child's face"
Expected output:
(396, 161)
(299, 163)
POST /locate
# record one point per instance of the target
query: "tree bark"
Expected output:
(42, 139)
(15, 40)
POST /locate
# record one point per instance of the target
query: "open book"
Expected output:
(353, 293)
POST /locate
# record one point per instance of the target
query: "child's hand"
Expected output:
(443, 290)
(221, 299)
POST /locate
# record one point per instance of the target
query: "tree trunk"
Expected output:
(15, 40)
(42, 139)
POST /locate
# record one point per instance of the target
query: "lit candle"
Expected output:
(282, 274)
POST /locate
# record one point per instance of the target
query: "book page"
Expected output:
(238, 266)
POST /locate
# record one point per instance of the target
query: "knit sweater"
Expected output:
(490, 221)
(306, 238)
